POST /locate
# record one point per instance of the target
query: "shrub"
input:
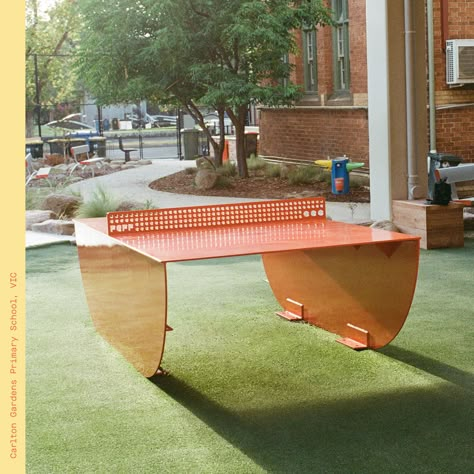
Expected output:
(228, 169)
(272, 170)
(98, 206)
(304, 175)
(222, 182)
(33, 198)
(254, 163)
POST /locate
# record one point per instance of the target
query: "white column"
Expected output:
(386, 77)
(378, 82)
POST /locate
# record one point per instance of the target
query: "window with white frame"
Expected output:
(285, 59)
(341, 45)
(310, 61)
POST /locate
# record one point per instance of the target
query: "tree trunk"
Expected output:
(239, 124)
(29, 124)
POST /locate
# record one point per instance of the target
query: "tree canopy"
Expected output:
(224, 54)
(51, 38)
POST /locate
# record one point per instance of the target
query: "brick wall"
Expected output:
(358, 46)
(315, 133)
(455, 132)
(454, 126)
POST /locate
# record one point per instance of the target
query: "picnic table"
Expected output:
(355, 281)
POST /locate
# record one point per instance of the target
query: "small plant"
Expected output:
(228, 169)
(272, 170)
(303, 175)
(352, 206)
(223, 182)
(149, 204)
(98, 206)
(255, 163)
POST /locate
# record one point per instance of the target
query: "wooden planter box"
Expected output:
(438, 226)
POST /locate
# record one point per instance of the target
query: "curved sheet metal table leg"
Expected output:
(127, 298)
(362, 292)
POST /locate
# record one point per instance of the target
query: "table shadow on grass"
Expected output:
(421, 430)
(434, 367)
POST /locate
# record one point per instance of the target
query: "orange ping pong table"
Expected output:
(355, 281)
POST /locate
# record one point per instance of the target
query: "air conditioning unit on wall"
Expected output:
(460, 61)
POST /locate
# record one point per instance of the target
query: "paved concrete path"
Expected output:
(133, 185)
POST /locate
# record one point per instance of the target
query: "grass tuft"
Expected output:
(272, 170)
(304, 175)
(255, 163)
(223, 182)
(100, 204)
(228, 169)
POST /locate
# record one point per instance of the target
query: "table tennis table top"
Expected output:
(179, 245)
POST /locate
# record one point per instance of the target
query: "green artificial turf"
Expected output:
(247, 391)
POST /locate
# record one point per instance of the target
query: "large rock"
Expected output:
(55, 226)
(35, 217)
(205, 179)
(63, 205)
(204, 163)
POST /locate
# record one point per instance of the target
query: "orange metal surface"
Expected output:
(216, 216)
(200, 232)
(336, 276)
(363, 286)
(179, 245)
(127, 298)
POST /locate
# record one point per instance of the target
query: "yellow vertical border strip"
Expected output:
(12, 241)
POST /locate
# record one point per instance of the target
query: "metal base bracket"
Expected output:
(161, 372)
(294, 311)
(357, 338)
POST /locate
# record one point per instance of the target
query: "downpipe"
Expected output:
(414, 190)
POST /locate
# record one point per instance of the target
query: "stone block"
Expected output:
(55, 226)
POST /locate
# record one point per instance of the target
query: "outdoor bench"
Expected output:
(351, 280)
(77, 151)
(31, 173)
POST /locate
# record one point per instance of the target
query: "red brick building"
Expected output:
(332, 118)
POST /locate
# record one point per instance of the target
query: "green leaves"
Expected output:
(207, 50)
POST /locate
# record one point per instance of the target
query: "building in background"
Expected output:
(332, 118)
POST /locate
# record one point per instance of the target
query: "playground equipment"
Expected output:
(340, 169)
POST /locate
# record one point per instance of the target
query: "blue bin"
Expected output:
(339, 176)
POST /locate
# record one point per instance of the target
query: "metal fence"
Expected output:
(169, 144)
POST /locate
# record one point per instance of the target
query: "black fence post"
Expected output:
(178, 133)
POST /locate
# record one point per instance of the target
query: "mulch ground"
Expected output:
(258, 187)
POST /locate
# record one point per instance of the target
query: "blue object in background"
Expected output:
(339, 176)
